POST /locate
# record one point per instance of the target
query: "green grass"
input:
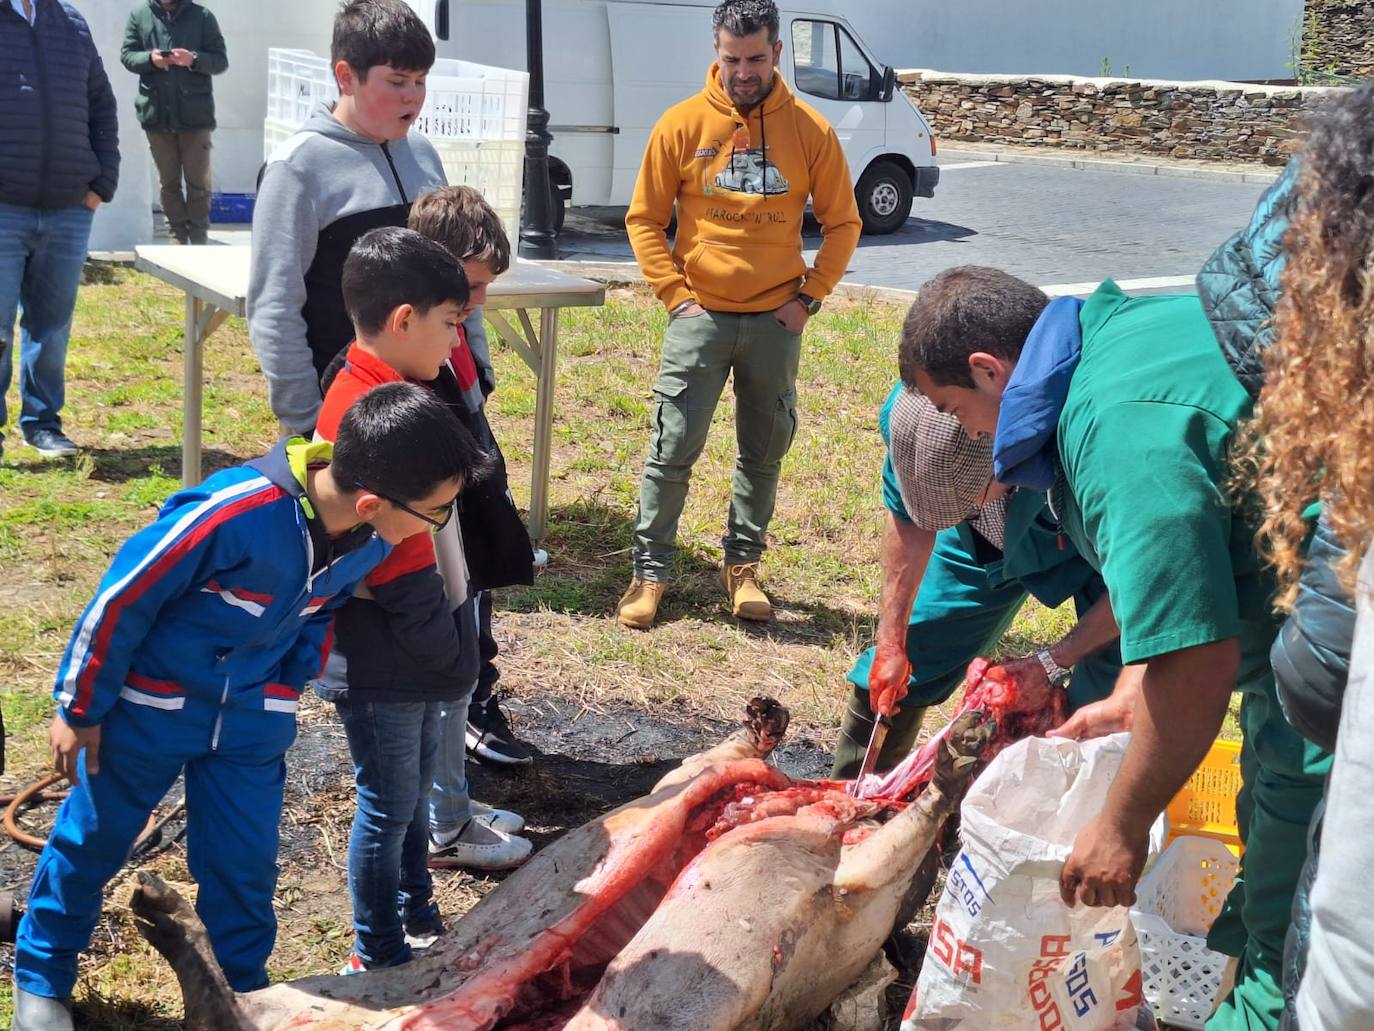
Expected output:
(61, 521)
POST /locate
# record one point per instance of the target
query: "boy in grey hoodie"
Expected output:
(350, 168)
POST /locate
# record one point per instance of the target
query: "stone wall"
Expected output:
(1224, 121)
(1338, 38)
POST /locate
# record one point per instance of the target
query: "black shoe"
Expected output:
(489, 736)
(52, 444)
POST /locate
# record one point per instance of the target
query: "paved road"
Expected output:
(1061, 227)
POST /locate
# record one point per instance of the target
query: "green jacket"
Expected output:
(174, 99)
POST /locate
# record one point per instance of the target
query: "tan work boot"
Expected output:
(747, 600)
(639, 604)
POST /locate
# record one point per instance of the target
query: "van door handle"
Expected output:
(441, 19)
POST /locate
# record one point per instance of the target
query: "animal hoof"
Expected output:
(766, 719)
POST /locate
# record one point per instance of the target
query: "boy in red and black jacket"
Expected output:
(404, 647)
(459, 218)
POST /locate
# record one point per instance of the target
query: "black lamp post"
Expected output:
(536, 230)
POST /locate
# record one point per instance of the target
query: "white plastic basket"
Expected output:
(474, 114)
(1176, 903)
(274, 134)
(297, 81)
(474, 102)
(496, 168)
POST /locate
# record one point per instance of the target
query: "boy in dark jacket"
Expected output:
(59, 160)
(401, 651)
(174, 46)
(191, 658)
(460, 219)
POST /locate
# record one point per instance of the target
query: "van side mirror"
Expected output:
(441, 19)
(889, 86)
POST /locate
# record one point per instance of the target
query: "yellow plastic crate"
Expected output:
(1206, 805)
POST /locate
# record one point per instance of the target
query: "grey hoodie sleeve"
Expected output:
(285, 232)
(475, 328)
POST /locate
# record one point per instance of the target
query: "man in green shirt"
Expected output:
(960, 557)
(1123, 409)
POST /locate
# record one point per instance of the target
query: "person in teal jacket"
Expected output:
(174, 47)
(1125, 409)
(960, 558)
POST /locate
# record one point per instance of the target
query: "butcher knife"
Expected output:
(875, 745)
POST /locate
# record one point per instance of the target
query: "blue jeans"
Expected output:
(449, 804)
(41, 254)
(393, 745)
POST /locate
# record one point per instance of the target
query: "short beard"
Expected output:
(763, 94)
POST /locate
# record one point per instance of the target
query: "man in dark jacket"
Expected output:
(59, 159)
(174, 46)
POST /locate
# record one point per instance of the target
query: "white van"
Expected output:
(612, 67)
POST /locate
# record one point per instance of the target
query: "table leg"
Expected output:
(543, 421)
(193, 366)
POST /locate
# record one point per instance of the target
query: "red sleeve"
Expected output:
(345, 389)
(413, 553)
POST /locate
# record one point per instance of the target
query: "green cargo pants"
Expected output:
(1282, 777)
(699, 353)
(962, 610)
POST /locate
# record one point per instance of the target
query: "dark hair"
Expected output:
(368, 33)
(460, 218)
(402, 441)
(746, 17)
(389, 267)
(962, 310)
(332, 370)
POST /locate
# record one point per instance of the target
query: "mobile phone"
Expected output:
(164, 53)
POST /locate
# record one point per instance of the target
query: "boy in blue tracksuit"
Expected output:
(191, 658)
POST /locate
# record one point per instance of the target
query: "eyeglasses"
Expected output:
(437, 524)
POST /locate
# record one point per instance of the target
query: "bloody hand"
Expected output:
(888, 678)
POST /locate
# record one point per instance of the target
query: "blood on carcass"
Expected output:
(1019, 711)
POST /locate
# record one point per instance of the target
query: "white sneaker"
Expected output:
(479, 847)
(502, 820)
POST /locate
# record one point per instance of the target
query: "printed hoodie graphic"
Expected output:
(741, 184)
(750, 171)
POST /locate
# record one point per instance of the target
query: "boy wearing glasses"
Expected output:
(191, 658)
(405, 648)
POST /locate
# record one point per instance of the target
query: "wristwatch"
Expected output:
(811, 305)
(1054, 673)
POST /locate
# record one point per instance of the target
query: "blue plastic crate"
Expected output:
(231, 207)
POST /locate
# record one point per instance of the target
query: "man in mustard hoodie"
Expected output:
(740, 160)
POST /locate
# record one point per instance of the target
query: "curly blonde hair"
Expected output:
(1312, 436)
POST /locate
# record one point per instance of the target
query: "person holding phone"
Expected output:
(174, 47)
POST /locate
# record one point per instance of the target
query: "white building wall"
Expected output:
(128, 219)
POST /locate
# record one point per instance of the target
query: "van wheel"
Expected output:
(560, 210)
(884, 196)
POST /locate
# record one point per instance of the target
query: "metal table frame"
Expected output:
(526, 288)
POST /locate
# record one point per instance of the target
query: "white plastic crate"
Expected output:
(496, 168)
(1176, 903)
(474, 101)
(274, 133)
(297, 81)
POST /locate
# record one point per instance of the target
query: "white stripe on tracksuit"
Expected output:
(91, 624)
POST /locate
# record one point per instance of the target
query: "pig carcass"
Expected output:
(728, 897)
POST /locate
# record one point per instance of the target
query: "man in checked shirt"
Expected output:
(961, 554)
